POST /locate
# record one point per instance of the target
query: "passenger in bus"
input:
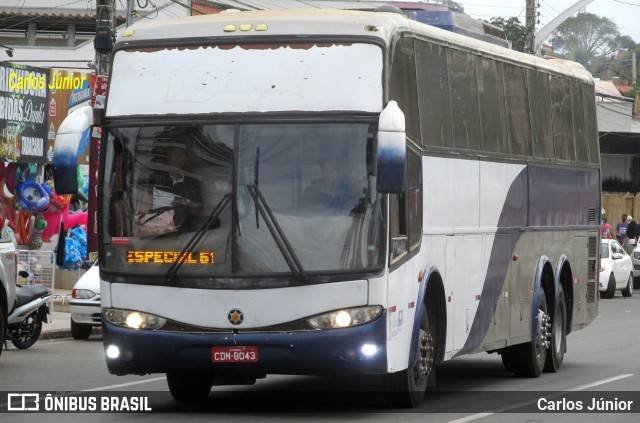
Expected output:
(173, 188)
(333, 190)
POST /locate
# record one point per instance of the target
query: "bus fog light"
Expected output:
(369, 350)
(126, 355)
(350, 354)
(112, 352)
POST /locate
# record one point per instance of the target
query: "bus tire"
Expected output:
(189, 386)
(79, 331)
(555, 353)
(508, 356)
(406, 388)
(529, 358)
(2, 328)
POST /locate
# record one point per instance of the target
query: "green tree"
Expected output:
(585, 36)
(453, 5)
(513, 29)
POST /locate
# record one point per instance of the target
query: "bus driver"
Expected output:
(173, 188)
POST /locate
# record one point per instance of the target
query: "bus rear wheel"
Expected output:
(555, 354)
(528, 360)
(406, 388)
(2, 330)
(189, 386)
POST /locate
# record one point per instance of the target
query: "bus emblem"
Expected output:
(235, 316)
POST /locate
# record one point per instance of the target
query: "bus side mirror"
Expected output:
(391, 151)
(72, 138)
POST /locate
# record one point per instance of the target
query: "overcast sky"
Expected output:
(625, 13)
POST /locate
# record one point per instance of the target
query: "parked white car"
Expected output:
(85, 304)
(635, 259)
(616, 270)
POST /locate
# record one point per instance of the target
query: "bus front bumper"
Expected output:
(356, 350)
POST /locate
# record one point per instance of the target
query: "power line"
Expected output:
(624, 2)
(487, 5)
(37, 17)
(550, 6)
(618, 113)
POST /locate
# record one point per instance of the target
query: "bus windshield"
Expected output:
(238, 200)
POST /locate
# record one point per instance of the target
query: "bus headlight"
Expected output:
(134, 319)
(345, 318)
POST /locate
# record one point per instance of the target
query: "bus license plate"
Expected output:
(243, 354)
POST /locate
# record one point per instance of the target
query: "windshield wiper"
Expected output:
(197, 236)
(276, 231)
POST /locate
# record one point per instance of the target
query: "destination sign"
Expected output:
(169, 257)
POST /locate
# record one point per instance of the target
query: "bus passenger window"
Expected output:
(398, 226)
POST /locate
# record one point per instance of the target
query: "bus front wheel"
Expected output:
(189, 386)
(406, 388)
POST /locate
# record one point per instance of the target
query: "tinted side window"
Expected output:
(562, 119)
(492, 106)
(591, 125)
(517, 110)
(463, 92)
(414, 198)
(403, 86)
(433, 85)
(582, 147)
(539, 100)
(397, 226)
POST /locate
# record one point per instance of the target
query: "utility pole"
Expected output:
(103, 43)
(530, 26)
(636, 104)
(105, 18)
(633, 68)
(130, 10)
(555, 22)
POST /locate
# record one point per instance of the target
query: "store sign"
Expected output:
(80, 96)
(70, 90)
(24, 96)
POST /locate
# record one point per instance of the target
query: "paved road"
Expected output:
(602, 360)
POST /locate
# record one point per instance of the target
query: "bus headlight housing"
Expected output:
(345, 318)
(134, 319)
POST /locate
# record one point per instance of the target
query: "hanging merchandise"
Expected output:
(75, 249)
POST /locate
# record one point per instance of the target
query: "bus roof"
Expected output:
(382, 25)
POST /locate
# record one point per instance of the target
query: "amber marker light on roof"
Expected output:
(262, 27)
(245, 27)
(229, 28)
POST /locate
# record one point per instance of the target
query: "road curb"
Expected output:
(65, 333)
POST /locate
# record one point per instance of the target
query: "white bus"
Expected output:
(463, 218)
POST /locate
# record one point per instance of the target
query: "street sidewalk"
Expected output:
(60, 326)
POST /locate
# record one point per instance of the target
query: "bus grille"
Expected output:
(593, 246)
(593, 268)
(591, 291)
